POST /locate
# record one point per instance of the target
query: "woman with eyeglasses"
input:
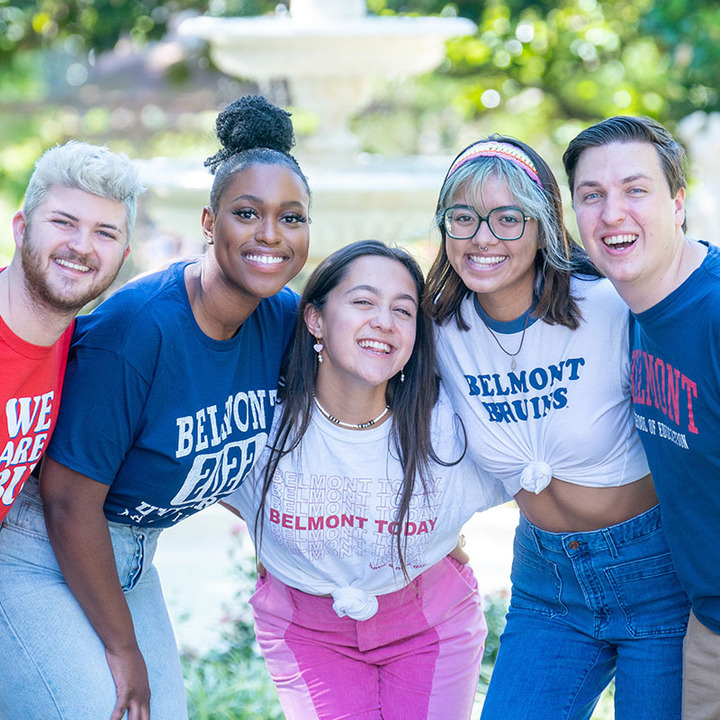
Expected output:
(533, 349)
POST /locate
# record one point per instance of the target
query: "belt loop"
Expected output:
(610, 542)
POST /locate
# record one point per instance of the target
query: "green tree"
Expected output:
(580, 60)
(535, 68)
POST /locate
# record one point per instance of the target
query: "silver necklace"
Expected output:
(350, 426)
(513, 356)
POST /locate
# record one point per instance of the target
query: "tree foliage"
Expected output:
(588, 58)
(81, 25)
(533, 68)
(591, 58)
(96, 25)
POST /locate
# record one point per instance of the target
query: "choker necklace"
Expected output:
(513, 356)
(350, 426)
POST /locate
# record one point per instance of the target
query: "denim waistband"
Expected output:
(28, 504)
(607, 538)
(25, 535)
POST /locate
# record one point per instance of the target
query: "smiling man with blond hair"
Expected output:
(71, 238)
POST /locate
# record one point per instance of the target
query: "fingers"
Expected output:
(138, 712)
(135, 710)
(131, 682)
(458, 553)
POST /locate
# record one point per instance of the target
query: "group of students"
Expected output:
(404, 406)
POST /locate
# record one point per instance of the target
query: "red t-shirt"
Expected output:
(31, 378)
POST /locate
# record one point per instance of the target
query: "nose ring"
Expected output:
(484, 249)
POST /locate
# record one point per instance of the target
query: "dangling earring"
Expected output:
(317, 347)
(402, 374)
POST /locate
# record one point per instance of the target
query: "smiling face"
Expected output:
(367, 325)
(71, 248)
(630, 224)
(260, 234)
(502, 275)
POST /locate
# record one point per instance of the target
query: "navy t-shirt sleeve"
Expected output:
(103, 400)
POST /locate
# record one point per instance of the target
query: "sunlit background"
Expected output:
(121, 74)
(383, 94)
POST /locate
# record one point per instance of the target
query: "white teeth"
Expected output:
(619, 239)
(486, 260)
(374, 345)
(265, 259)
(72, 265)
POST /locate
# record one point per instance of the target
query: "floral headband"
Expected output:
(493, 148)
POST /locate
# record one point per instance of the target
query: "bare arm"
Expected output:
(80, 537)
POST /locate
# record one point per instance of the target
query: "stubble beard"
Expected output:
(55, 300)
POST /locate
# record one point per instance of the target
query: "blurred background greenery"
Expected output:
(114, 72)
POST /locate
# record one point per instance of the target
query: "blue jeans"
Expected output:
(53, 663)
(586, 607)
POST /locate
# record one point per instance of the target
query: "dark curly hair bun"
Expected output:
(251, 122)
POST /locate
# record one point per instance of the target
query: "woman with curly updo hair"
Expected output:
(168, 400)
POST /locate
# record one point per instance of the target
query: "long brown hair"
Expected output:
(411, 401)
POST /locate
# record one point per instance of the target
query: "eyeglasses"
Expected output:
(505, 223)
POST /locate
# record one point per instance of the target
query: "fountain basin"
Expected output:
(390, 200)
(271, 47)
(331, 54)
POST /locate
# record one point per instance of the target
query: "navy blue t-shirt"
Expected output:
(170, 418)
(676, 395)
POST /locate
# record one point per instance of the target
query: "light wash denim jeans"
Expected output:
(586, 607)
(52, 662)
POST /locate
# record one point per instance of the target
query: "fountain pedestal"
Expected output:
(330, 52)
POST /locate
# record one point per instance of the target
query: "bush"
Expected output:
(232, 683)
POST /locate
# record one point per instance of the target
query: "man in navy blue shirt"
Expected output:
(628, 189)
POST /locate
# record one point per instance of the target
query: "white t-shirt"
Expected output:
(330, 514)
(564, 412)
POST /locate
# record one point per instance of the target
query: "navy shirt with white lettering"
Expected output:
(170, 418)
(675, 380)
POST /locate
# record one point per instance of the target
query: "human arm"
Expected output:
(235, 511)
(79, 534)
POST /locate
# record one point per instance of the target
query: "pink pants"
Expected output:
(418, 657)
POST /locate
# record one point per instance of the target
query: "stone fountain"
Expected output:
(329, 53)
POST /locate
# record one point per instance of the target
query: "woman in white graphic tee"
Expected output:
(534, 354)
(362, 612)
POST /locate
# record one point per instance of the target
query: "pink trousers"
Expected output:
(418, 657)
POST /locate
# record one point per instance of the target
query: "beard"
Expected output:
(68, 296)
